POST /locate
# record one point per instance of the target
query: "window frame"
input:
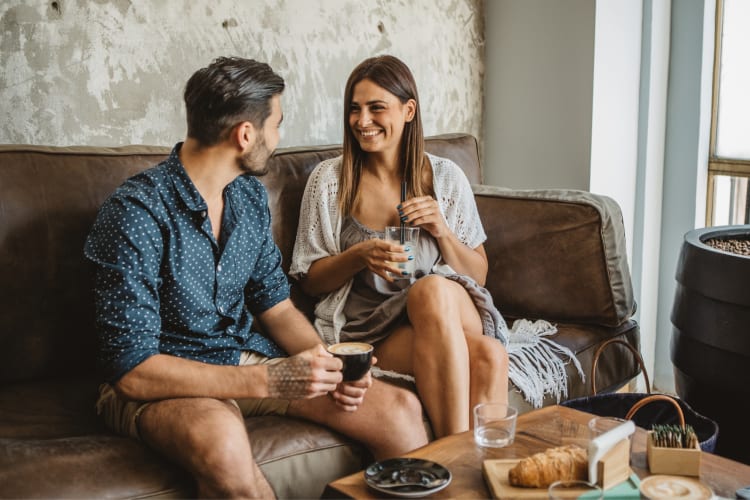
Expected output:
(719, 165)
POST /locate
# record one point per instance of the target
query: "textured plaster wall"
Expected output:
(111, 72)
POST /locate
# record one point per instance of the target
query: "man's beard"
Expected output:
(255, 162)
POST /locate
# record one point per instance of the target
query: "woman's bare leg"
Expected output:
(489, 371)
(434, 349)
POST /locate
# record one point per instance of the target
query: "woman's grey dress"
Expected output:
(374, 306)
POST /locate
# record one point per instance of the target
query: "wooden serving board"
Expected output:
(496, 475)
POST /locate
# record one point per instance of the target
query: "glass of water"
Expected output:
(409, 238)
(494, 424)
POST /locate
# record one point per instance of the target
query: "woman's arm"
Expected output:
(464, 260)
(425, 213)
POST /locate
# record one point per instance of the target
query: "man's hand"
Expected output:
(309, 374)
(350, 395)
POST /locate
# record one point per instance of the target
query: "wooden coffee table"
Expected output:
(535, 431)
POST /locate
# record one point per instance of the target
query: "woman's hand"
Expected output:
(381, 257)
(424, 212)
(330, 273)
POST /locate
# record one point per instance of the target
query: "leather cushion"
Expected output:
(53, 445)
(559, 255)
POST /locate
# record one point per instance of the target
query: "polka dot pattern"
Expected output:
(163, 282)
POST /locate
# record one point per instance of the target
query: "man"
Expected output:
(185, 261)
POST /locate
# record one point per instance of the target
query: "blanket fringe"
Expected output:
(537, 364)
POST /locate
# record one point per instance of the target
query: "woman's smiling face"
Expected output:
(377, 117)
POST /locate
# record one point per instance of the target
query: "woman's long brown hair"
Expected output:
(394, 76)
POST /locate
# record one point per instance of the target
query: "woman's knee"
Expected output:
(489, 353)
(430, 285)
(430, 290)
(438, 298)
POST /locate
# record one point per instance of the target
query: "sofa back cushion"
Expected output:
(556, 254)
(49, 197)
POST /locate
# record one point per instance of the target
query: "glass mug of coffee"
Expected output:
(356, 356)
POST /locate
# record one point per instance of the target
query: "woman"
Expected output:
(428, 325)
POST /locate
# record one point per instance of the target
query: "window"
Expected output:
(729, 161)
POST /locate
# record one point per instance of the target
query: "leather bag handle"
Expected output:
(632, 349)
(656, 397)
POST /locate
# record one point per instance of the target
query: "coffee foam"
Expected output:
(350, 348)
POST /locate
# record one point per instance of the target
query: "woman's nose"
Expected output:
(364, 118)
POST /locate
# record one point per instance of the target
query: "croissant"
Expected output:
(554, 464)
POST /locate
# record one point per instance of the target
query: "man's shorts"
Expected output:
(121, 415)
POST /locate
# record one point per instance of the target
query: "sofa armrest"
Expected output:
(556, 254)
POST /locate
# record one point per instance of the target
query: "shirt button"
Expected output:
(218, 268)
(203, 214)
(221, 309)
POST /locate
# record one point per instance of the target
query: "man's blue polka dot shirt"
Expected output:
(163, 282)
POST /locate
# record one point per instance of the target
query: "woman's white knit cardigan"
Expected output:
(534, 368)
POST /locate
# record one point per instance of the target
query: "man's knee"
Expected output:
(207, 436)
(403, 404)
(227, 458)
(225, 465)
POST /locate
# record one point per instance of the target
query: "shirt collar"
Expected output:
(182, 183)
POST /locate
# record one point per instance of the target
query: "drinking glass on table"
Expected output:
(600, 425)
(494, 424)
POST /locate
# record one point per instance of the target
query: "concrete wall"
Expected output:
(111, 72)
(538, 92)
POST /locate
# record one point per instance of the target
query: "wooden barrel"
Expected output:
(710, 346)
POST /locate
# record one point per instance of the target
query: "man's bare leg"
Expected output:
(207, 437)
(389, 421)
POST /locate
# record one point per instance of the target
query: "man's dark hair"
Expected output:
(229, 91)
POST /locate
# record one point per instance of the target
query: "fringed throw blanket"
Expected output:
(536, 363)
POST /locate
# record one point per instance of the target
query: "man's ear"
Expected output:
(244, 135)
(411, 109)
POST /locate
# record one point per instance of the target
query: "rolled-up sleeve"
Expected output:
(125, 245)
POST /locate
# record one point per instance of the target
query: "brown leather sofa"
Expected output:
(557, 255)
